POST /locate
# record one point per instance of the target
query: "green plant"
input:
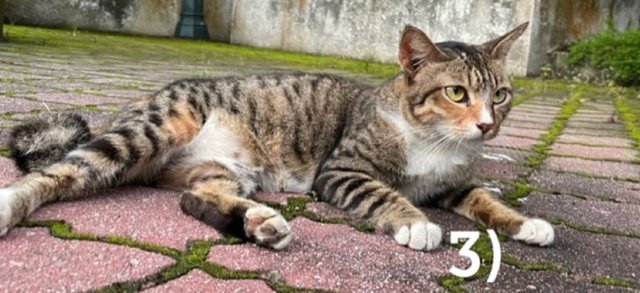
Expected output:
(613, 52)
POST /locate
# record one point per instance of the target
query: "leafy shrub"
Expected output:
(616, 53)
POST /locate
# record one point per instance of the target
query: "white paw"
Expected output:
(6, 201)
(535, 231)
(421, 235)
(267, 227)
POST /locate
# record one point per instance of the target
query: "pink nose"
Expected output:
(484, 127)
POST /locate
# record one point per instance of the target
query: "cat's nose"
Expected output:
(484, 127)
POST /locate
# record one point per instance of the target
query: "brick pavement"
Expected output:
(567, 155)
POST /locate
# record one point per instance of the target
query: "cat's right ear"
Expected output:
(416, 49)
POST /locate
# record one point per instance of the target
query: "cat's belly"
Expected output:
(226, 143)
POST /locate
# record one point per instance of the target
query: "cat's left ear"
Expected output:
(499, 48)
(417, 49)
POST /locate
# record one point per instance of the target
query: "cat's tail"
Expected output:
(40, 142)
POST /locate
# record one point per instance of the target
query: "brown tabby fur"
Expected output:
(363, 149)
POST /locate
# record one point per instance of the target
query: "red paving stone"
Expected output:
(517, 112)
(8, 172)
(511, 279)
(584, 255)
(597, 168)
(591, 125)
(592, 119)
(316, 259)
(590, 152)
(325, 210)
(595, 140)
(198, 281)
(80, 99)
(145, 214)
(541, 125)
(626, 192)
(538, 108)
(519, 143)
(34, 261)
(12, 105)
(498, 170)
(595, 132)
(590, 213)
(526, 132)
(516, 155)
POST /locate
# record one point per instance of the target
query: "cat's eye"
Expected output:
(456, 93)
(500, 96)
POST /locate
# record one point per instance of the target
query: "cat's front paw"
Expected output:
(535, 231)
(420, 235)
(6, 201)
(267, 227)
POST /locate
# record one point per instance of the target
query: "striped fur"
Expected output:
(375, 152)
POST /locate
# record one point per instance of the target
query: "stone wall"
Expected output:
(364, 29)
(146, 17)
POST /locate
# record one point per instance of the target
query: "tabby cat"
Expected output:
(374, 152)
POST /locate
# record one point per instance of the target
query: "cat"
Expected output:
(375, 152)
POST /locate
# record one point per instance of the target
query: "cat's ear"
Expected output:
(499, 48)
(416, 49)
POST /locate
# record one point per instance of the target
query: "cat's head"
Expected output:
(458, 90)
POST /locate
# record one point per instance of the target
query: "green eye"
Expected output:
(500, 96)
(455, 93)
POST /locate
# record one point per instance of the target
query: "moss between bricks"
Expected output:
(521, 190)
(609, 281)
(484, 249)
(541, 149)
(594, 230)
(629, 118)
(5, 151)
(194, 258)
(297, 206)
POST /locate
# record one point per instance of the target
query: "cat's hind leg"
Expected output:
(479, 204)
(136, 145)
(216, 195)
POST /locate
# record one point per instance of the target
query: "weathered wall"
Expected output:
(149, 17)
(217, 16)
(370, 29)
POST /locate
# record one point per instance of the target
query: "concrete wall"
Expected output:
(370, 29)
(365, 29)
(147, 17)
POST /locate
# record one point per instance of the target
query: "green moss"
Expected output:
(295, 207)
(63, 230)
(595, 230)
(629, 117)
(5, 151)
(609, 281)
(284, 288)
(364, 227)
(541, 150)
(521, 190)
(538, 266)
(452, 284)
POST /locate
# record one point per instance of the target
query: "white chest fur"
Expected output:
(433, 165)
(426, 156)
